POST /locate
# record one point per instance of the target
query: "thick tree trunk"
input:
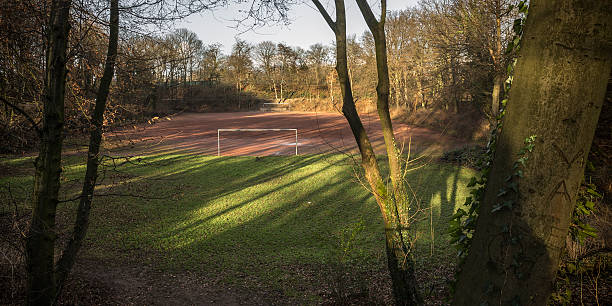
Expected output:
(557, 94)
(68, 257)
(41, 289)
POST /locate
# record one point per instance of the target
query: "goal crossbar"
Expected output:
(253, 130)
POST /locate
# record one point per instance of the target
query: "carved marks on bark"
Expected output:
(561, 186)
(524, 244)
(559, 199)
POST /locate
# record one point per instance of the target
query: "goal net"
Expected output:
(257, 141)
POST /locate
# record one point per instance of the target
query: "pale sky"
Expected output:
(307, 26)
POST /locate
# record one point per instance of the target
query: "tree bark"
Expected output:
(41, 289)
(498, 79)
(497, 85)
(558, 90)
(69, 254)
(401, 264)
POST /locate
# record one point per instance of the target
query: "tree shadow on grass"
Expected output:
(265, 218)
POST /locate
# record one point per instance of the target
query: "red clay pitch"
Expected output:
(317, 133)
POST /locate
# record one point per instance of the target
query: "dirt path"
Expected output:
(317, 133)
(95, 284)
(91, 283)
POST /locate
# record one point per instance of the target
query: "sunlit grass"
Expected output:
(260, 216)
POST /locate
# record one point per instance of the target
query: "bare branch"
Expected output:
(369, 17)
(23, 113)
(325, 15)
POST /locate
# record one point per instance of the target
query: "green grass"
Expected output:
(259, 216)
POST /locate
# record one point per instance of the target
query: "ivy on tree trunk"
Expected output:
(557, 94)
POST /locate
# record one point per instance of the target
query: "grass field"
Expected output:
(279, 221)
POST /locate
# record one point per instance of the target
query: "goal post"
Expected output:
(254, 130)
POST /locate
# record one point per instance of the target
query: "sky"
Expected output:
(307, 25)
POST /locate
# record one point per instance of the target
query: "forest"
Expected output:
(507, 200)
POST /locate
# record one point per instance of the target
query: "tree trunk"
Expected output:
(497, 85)
(405, 289)
(391, 202)
(405, 87)
(68, 257)
(41, 289)
(558, 90)
(396, 88)
(497, 65)
(455, 99)
(420, 94)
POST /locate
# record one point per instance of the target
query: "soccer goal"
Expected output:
(273, 137)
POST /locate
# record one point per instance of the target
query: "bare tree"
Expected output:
(265, 53)
(40, 246)
(393, 202)
(67, 259)
(317, 56)
(45, 277)
(240, 64)
(211, 62)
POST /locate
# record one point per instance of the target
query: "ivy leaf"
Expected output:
(589, 230)
(571, 268)
(469, 223)
(474, 207)
(460, 213)
(594, 193)
(497, 208)
(522, 7)
(472, 182)
(508, 50)
(516, 26)
(468, 201)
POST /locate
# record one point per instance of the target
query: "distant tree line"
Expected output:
(442, 55)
